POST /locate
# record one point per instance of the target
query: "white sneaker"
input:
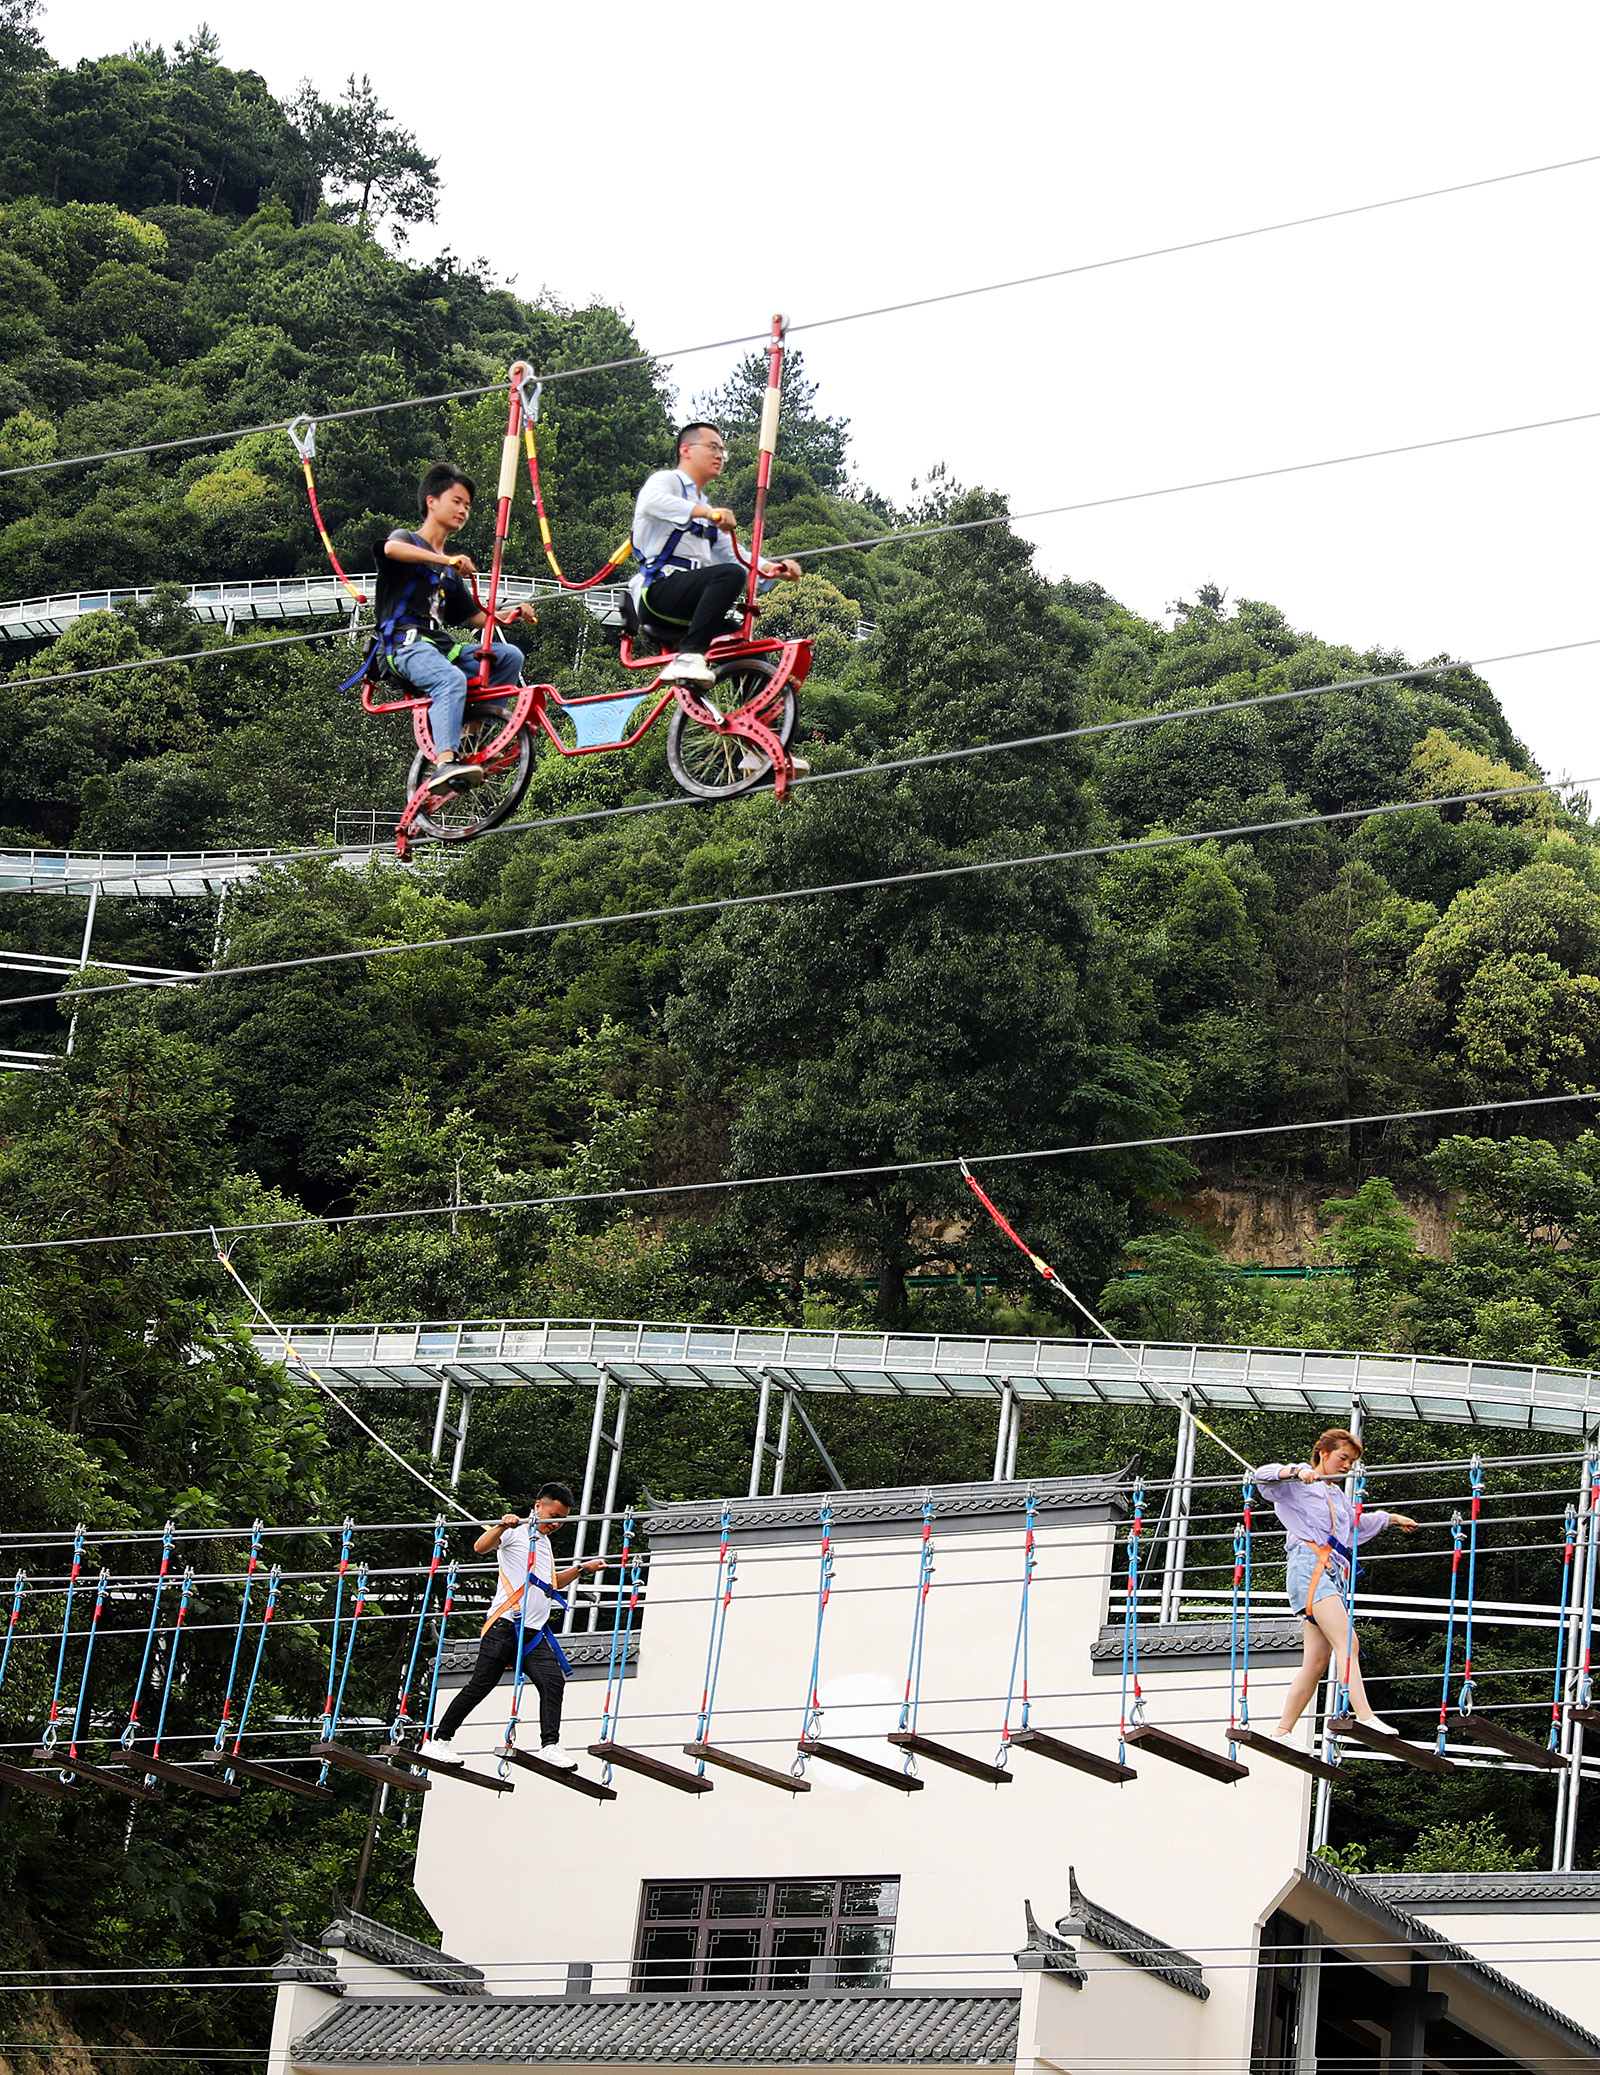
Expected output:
(688, 668)
(552, 1754)
(1377, 1724)
(442, 1749)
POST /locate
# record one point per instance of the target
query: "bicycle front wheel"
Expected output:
(458, 817)
(713, 766)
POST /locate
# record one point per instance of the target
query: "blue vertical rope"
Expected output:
(811, 1713)
(519, 1677)
(438, 1647)
(1456, 1544)
(1341, 1705)
(130, 1728)
(1239, 1642)
(1130, 1629)
(346, 1532)
(1585, 1668)
(267, 1612)
(911, 1703)
(1019, 1645)
(1561, 1626)
(402, 1720)
(721, 1599)
(238, 1636)
(168, 1677)
(88, 1659)
(50, 1730)
(17, 1590)
(632, 1575)
(1464, 1698)
(349, 1649)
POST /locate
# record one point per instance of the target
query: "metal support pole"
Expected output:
(83, 956)
(461, 1437)
(758, 1453)
(781, 1459)
(218, 942)
(1182, 1497)
(613, 1441)
(1004, 1435)
(437, 1449)
(569, 1619)
(1013, 1438)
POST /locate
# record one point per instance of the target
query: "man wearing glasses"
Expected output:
(688, 574)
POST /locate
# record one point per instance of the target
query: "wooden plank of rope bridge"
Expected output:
(178, 1775)
(1482, 1731)
(269, 1776)
(942, 1754)
(561, 1778)
(39, 1782)
(372, 1768)
(869, 1768)
(1043, 1745)
(1286, 1754)
(1585, 1714)
(1161, 1743)
(730, 1761)
(455, 1770)
(1393, 1746)
(81, 1769)
(652, 1768)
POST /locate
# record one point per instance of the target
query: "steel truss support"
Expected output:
(1580, 1623)
(598, 1439)
(1182, 1504)
(446, 1429)
(790, 1410)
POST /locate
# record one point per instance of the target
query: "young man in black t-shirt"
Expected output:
(421, 596)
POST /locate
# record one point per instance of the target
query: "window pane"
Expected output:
(863, 1951)
(731, 1959)
(739, 1898)
(666, 1962)
(869, 1898)
(798, 1960)
(680, 1899)
(804, 1898)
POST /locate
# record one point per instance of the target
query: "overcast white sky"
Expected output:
(704, 167)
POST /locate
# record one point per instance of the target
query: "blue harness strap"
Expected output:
(547, 1634)
(667, 556)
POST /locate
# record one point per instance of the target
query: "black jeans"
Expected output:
(495, 1652)
(696, 598)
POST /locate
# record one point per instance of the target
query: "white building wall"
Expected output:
(522, 1884)
(1550, 1956)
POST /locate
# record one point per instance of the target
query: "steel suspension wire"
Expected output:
(238, 1634)
(50, 1732)
(438, 1648)
(811, 1713)
(722, 903)
(267, 1613)
(813, 324)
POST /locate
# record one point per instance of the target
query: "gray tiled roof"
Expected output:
(858, 1509)
(1137, 1947)
(375, 1941)
(302, 1962)
(977, 2029)
(1442, 1954)
(1049, 1952)
(1197, 1645)
(1488, 1893)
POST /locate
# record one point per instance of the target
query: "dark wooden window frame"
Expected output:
(766, 1929)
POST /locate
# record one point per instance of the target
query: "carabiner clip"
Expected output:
(305, 444)
(530, 403)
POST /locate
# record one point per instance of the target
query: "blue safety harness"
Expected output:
(545, 1634)
(667, 556)
(384, 644)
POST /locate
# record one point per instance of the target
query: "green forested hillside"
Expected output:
(214, 262)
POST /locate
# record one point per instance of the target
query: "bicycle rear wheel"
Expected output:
(709, 765)
(458, 817)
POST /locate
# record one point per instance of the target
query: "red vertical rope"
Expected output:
(502, 519)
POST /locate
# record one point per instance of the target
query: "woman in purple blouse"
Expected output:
(1319, 1520)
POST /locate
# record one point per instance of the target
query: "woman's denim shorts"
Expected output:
(1302, 1562)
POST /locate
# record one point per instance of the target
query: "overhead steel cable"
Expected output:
(719, 903)
(194, 655)
(1253, 475)
(600, 367)
(762, 1181)
(1158, 718)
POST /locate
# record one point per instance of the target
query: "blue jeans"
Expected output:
(425, 667)
(1302, 1562)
